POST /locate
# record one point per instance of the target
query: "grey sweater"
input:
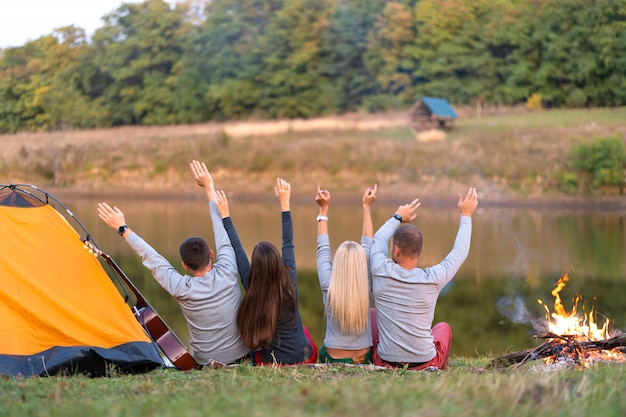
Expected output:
(209, 303)
(334, 338)
(405, 299)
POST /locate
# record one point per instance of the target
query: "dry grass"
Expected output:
(506, 155)
(432, 135)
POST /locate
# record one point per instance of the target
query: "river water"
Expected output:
(516, 257)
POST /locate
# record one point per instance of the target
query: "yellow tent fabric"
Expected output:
(54, 293)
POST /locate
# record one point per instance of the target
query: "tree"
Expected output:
(292, 82)
(343, 53)
(463, 50)
(137, 49)
(572, 53)
(33, 91)
(72, 100)
(228, 57)
(389, 57)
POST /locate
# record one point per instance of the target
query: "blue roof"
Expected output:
(439, 107)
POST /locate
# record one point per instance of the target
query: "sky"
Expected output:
(25, 20)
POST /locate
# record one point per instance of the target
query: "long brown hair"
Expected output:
(270, 292)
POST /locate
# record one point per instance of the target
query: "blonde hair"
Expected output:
(348, 292)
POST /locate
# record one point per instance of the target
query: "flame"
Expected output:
(570, 326)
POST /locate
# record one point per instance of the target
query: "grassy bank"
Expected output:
(467, 389)
(507, 156)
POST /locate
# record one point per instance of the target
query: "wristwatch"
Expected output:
(122, 229)
(320, 218)
(397, 217)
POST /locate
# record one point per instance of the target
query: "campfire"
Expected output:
(572, 338)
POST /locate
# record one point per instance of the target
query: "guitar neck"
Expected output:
(141, 301)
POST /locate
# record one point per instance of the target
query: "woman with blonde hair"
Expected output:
(345, 285)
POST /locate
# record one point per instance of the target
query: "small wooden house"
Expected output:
(432, 113)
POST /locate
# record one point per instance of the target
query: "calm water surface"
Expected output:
(516, 257)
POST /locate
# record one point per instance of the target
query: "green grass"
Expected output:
(548, 119)
(466, 389)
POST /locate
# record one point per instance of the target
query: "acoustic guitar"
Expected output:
(147, 316)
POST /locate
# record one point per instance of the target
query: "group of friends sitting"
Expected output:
(379, 306)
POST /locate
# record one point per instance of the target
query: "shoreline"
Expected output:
(604, 203)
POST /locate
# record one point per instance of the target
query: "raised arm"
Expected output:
(449, 266)
(323, 200)
(226, 256)
(282, 189)
(368, 228)
(323, 255)
(368, 199)
(243, 264)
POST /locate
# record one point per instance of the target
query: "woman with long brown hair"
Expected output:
(269, 318)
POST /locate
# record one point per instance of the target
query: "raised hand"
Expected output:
(203, 178)
(282, 189)
(222, 203)
(409, 211)
(370, 195)
(322, 199)
(467, 205)
(112, 216)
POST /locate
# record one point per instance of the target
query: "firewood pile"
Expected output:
(557, 348)
(570, 339)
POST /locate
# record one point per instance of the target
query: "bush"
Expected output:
(567, 182)
(534, 102)
(602, 160)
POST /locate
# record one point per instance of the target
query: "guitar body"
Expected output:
(173, 348)
(159, 331)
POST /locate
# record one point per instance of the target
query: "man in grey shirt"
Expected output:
(405, 295)
(209, 295)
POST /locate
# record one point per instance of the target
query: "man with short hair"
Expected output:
(405, 295)
(209, 295)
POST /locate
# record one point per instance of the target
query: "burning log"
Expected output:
(571, 338)
(557, 347)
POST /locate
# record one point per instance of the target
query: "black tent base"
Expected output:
(131, 358)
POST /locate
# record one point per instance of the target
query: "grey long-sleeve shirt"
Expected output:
(209, 303)
(334, 338)
(405, 299)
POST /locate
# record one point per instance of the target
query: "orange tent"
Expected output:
(59, 310)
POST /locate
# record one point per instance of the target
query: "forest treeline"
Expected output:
(152, 63)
